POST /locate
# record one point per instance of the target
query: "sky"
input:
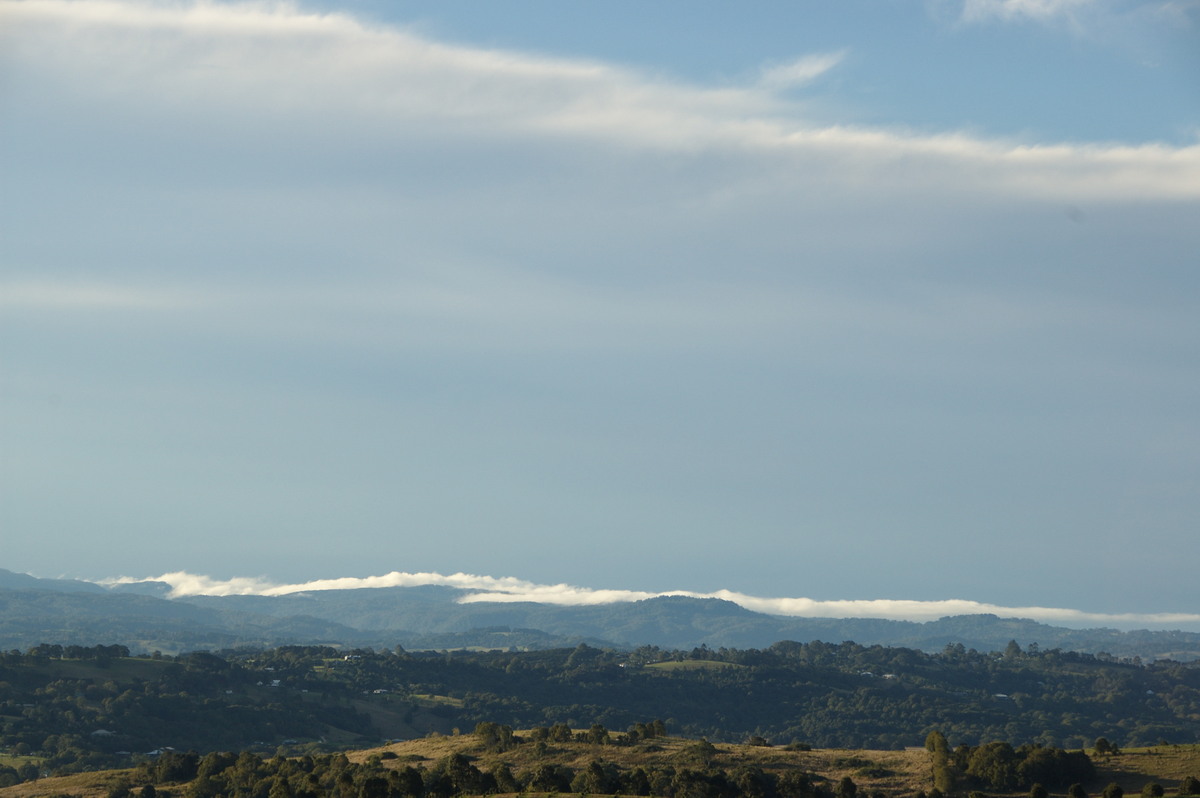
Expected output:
(886, 300)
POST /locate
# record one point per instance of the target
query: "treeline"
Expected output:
(248, 776)
(74, 708)
(698, 775)
(830, 695)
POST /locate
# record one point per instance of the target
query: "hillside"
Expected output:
(587, 761)
(68, 709)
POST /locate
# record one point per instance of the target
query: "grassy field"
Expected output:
(895, 773)
(1134, 767)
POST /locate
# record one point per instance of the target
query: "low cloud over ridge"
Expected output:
(511, 589)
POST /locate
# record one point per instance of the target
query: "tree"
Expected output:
(597, 735)
(1113, 790)
(549, 778)
(280, 788)
(594, 779)
(994, 764)
(795, 784)
(1189, 786)
(1076, 791)
(752, 782)
(505, 781)
(1038, 791)
(636, 782)
(1152, 790)
(939, 760)
(846, 788)
(702, 751)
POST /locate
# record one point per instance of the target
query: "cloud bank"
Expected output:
(511, 589)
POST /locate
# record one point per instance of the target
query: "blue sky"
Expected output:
(845, 301)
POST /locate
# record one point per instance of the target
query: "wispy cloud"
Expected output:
(801, 71)
(485, 589)
(1040, 10)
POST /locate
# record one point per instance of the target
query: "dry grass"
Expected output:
(906, 771)
(83, 785)
(1132, 768)
(896, 773)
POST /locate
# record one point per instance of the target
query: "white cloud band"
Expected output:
(511, 590)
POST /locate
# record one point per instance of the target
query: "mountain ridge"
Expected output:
(138, 615)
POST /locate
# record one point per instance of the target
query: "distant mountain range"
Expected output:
(73, 612)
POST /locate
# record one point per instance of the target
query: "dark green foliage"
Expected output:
(1113, 790)
(998, 766)
(1189, 786)
(495, 738)
(1152, 790)
(550, 778)
(174, 766)
(596, 778)
(82, 711)
(796, 784)
(995, 765)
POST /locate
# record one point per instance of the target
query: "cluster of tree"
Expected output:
(246, 775)
(10, 775)
(842, 695)
(88, 709)
(998, 766)
(99, 653)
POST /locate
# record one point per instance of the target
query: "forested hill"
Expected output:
(70, 612)
(74, 707)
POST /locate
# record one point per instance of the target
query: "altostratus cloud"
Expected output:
(272, 71)
(510, 589)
